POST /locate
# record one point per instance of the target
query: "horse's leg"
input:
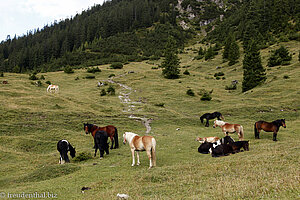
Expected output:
(274, 136)
(207, 122)
(101, 153)
(138, 158)
(112, 142)
(132, 153)
(150, 157)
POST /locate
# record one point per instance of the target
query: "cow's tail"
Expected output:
(116, 138)
(153, 152)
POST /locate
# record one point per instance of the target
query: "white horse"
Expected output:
(141, 143)
(52, 87)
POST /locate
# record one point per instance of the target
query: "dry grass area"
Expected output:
(32, 121)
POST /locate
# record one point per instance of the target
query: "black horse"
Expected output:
(100, 140)
(209, 116)
(204, 147)
(63, 146)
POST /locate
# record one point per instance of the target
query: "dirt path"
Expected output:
(130, 106)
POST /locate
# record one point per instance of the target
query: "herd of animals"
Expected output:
(214, 145)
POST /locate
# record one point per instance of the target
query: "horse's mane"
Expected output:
(277, 122)
(221, 122)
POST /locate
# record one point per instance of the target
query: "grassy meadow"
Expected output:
(32, 121)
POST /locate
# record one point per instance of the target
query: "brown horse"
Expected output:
(230, 128)
(111, 131)
(269, 127)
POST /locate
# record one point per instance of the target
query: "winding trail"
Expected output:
(130, 105)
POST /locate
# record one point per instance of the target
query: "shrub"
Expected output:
(90, 77)
(42, 77)
(48, 82)
(116, 65)
(219, 74)
(68, 69)
(111, 90)
(93, 70)
(186, 72)
(33, 76)
(160, 104)
(83, 156)
(103, 92)
(1, 74)
(206, 97)
(230, 87)
(111, 75)
(280, 56)
(286, 77)
(190, 92)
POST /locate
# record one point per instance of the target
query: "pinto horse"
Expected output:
(230, 128)
(209, 116)
(52, 87)
(141, 143)
(269, 127)
(63, 146)
(111, 131)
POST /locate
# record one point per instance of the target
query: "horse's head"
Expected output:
(72, 152)
(124, 138)
(87, 128)
(215, 124)
(283, 123)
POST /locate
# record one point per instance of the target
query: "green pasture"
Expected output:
(32, 121)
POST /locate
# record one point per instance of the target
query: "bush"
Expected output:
(111, 75)
(42, 77)
(190, 92)
(206, 97)
(93, 70)
(186, 72)
(286, 77)
(111, 90)
(280, 56)
(160, 104)
(219, 74)
(48, 82)
(116, 65)
(230, 87)
(68, 69)
(33, 76)
(83, 156)
(1, 74)
(90, 77)
(103, 92)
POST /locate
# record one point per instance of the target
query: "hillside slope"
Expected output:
(32, 121)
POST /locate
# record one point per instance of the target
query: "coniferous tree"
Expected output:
(234, 53)
(171, 62)
(254, 72)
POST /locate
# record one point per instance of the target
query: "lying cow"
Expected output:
(207, 139)
(206, 146)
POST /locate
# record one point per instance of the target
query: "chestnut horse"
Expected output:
(230, 128)
(111, 131)
(141, 143)
(269, 127)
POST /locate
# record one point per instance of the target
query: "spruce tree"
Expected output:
(254, 72)
(171, 62)
(234, 53)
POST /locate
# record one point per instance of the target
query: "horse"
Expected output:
(50, 87)
(111, 131)
(230, 128)
(206, 146)
(207, 139)
(141, 143)
(269, 127)
(100, 141)
(63, 146)
(209, 116)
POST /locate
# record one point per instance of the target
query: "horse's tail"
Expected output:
(153, 152)
(116, 138)
(241, 135)
(256, 133)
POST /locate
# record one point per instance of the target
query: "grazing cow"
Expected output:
(63, 146)
(207, 139)
(100, 141)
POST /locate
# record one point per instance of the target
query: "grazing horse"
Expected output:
(209, 116)
(269, 127)
(230, 128)
(100, 141)
(141, 143)
(52, 87)
(63, 146)
(111, 131)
